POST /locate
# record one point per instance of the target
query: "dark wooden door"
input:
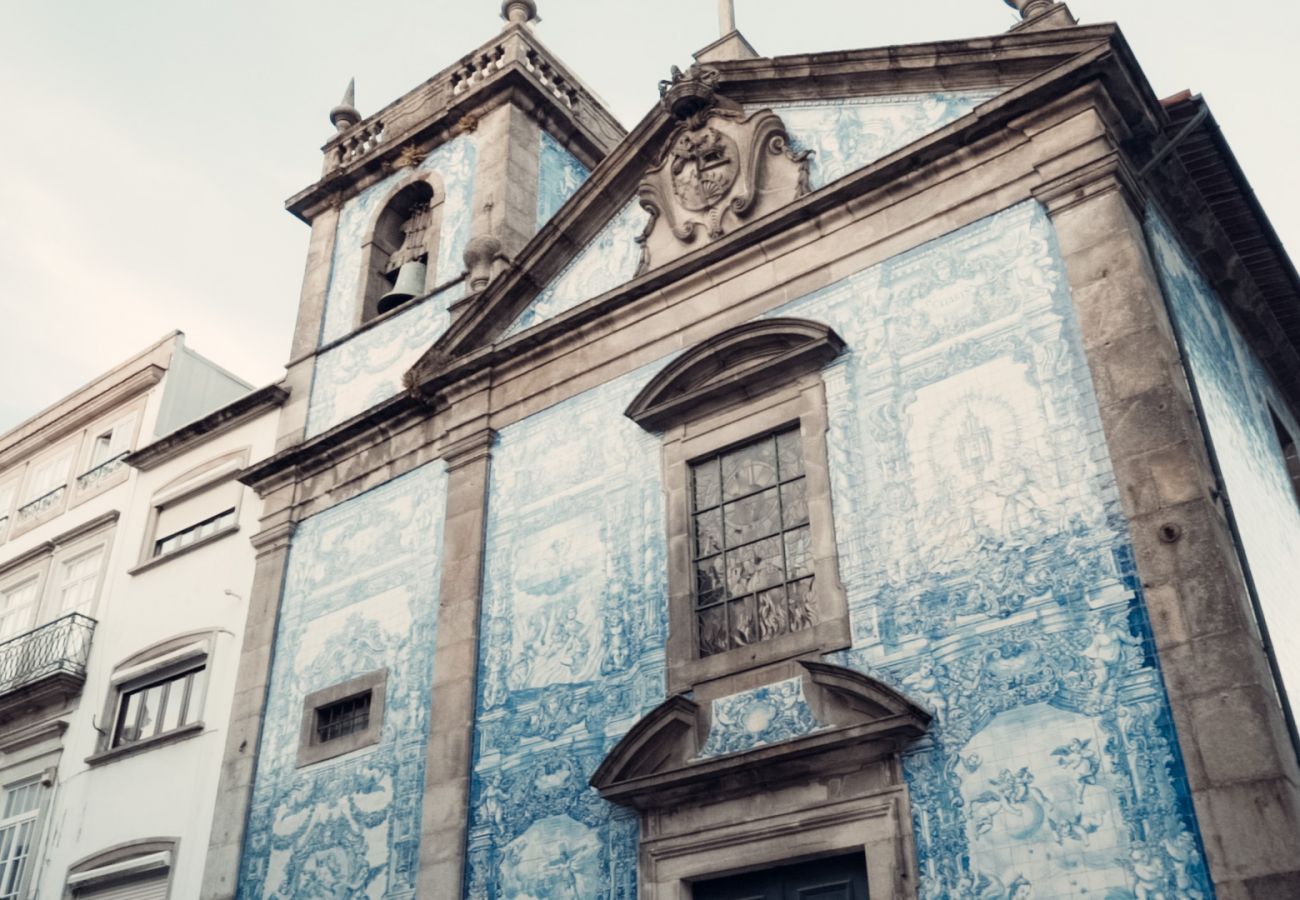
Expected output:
(836, 878)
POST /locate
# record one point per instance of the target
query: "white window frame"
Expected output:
(29, 817)
(121, 438)
(37, 486)
(26, 579)
(95, 578)
(166, 661)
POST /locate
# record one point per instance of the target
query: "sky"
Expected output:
(148, 145)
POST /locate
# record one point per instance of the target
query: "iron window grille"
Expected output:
(343, 717)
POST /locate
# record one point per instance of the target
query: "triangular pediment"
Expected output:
(832, 114)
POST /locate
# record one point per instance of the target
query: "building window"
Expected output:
(140, 870)
(752, 543)
(46, 486)
(197, 507)
(18, 604)
(17, 831)
(159, 707)
(80, 582)
(188, 535)
(752, 571)
(342, 718)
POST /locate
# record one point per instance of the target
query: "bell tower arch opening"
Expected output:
(400, 252)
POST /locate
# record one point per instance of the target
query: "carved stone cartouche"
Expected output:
(720, 168)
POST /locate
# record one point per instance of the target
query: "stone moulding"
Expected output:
(737, 363)
(655, 765)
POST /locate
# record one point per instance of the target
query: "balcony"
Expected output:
(46, 664)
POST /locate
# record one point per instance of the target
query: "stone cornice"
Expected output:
(215, 423)
(83, 414)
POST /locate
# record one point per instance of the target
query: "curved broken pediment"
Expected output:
(661, 759)
(737, 363)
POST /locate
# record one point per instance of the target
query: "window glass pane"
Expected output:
(749, 469)
(709, 586)
(754, 517)
(706, 488)
(744, 630)
(754, 567)
(772, 620)
(174, 705)
(789, 451)
(708, 533)
(127, 732)
(801, 604)
(194, 705)
(713, 630)
(798, 552)
(150, 707)
(794, 503)
(342, 718)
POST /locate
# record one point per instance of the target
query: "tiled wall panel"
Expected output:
(573, 633)
(846, 135)
(1239, 401)
(361, 594)
(558, 175)
(989, 575)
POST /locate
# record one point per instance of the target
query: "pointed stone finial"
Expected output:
(519, 12)
(345, 115)
(1030, 8)
(726, 17)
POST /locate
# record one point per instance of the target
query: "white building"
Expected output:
(116, 656)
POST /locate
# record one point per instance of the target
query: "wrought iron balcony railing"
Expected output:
(53, 655)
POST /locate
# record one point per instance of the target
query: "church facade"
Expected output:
(873, 474)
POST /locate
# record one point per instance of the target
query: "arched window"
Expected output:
(400, 253)
(140, 870)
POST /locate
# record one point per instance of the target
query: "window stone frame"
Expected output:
(801, 402)
(310, 750)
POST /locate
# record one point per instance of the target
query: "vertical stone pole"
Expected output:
(239, 761)
(455, 670)
(306, 330)
(1243, 774)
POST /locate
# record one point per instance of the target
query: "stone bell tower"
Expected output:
(432, 195)
(418, 205)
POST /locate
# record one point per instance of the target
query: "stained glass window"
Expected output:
(752, 547)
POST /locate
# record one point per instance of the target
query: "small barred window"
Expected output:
(343, 717)
(752, 544)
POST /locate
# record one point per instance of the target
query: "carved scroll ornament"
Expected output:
(721, 168)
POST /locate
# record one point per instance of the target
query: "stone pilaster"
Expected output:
(244, 732)
(1244, 780)
(451, 736)
(306, 330)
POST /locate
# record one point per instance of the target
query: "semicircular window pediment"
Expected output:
(737, 363)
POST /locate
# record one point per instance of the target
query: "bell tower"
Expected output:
(421, 203)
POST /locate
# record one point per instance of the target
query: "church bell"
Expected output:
(410, 283)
